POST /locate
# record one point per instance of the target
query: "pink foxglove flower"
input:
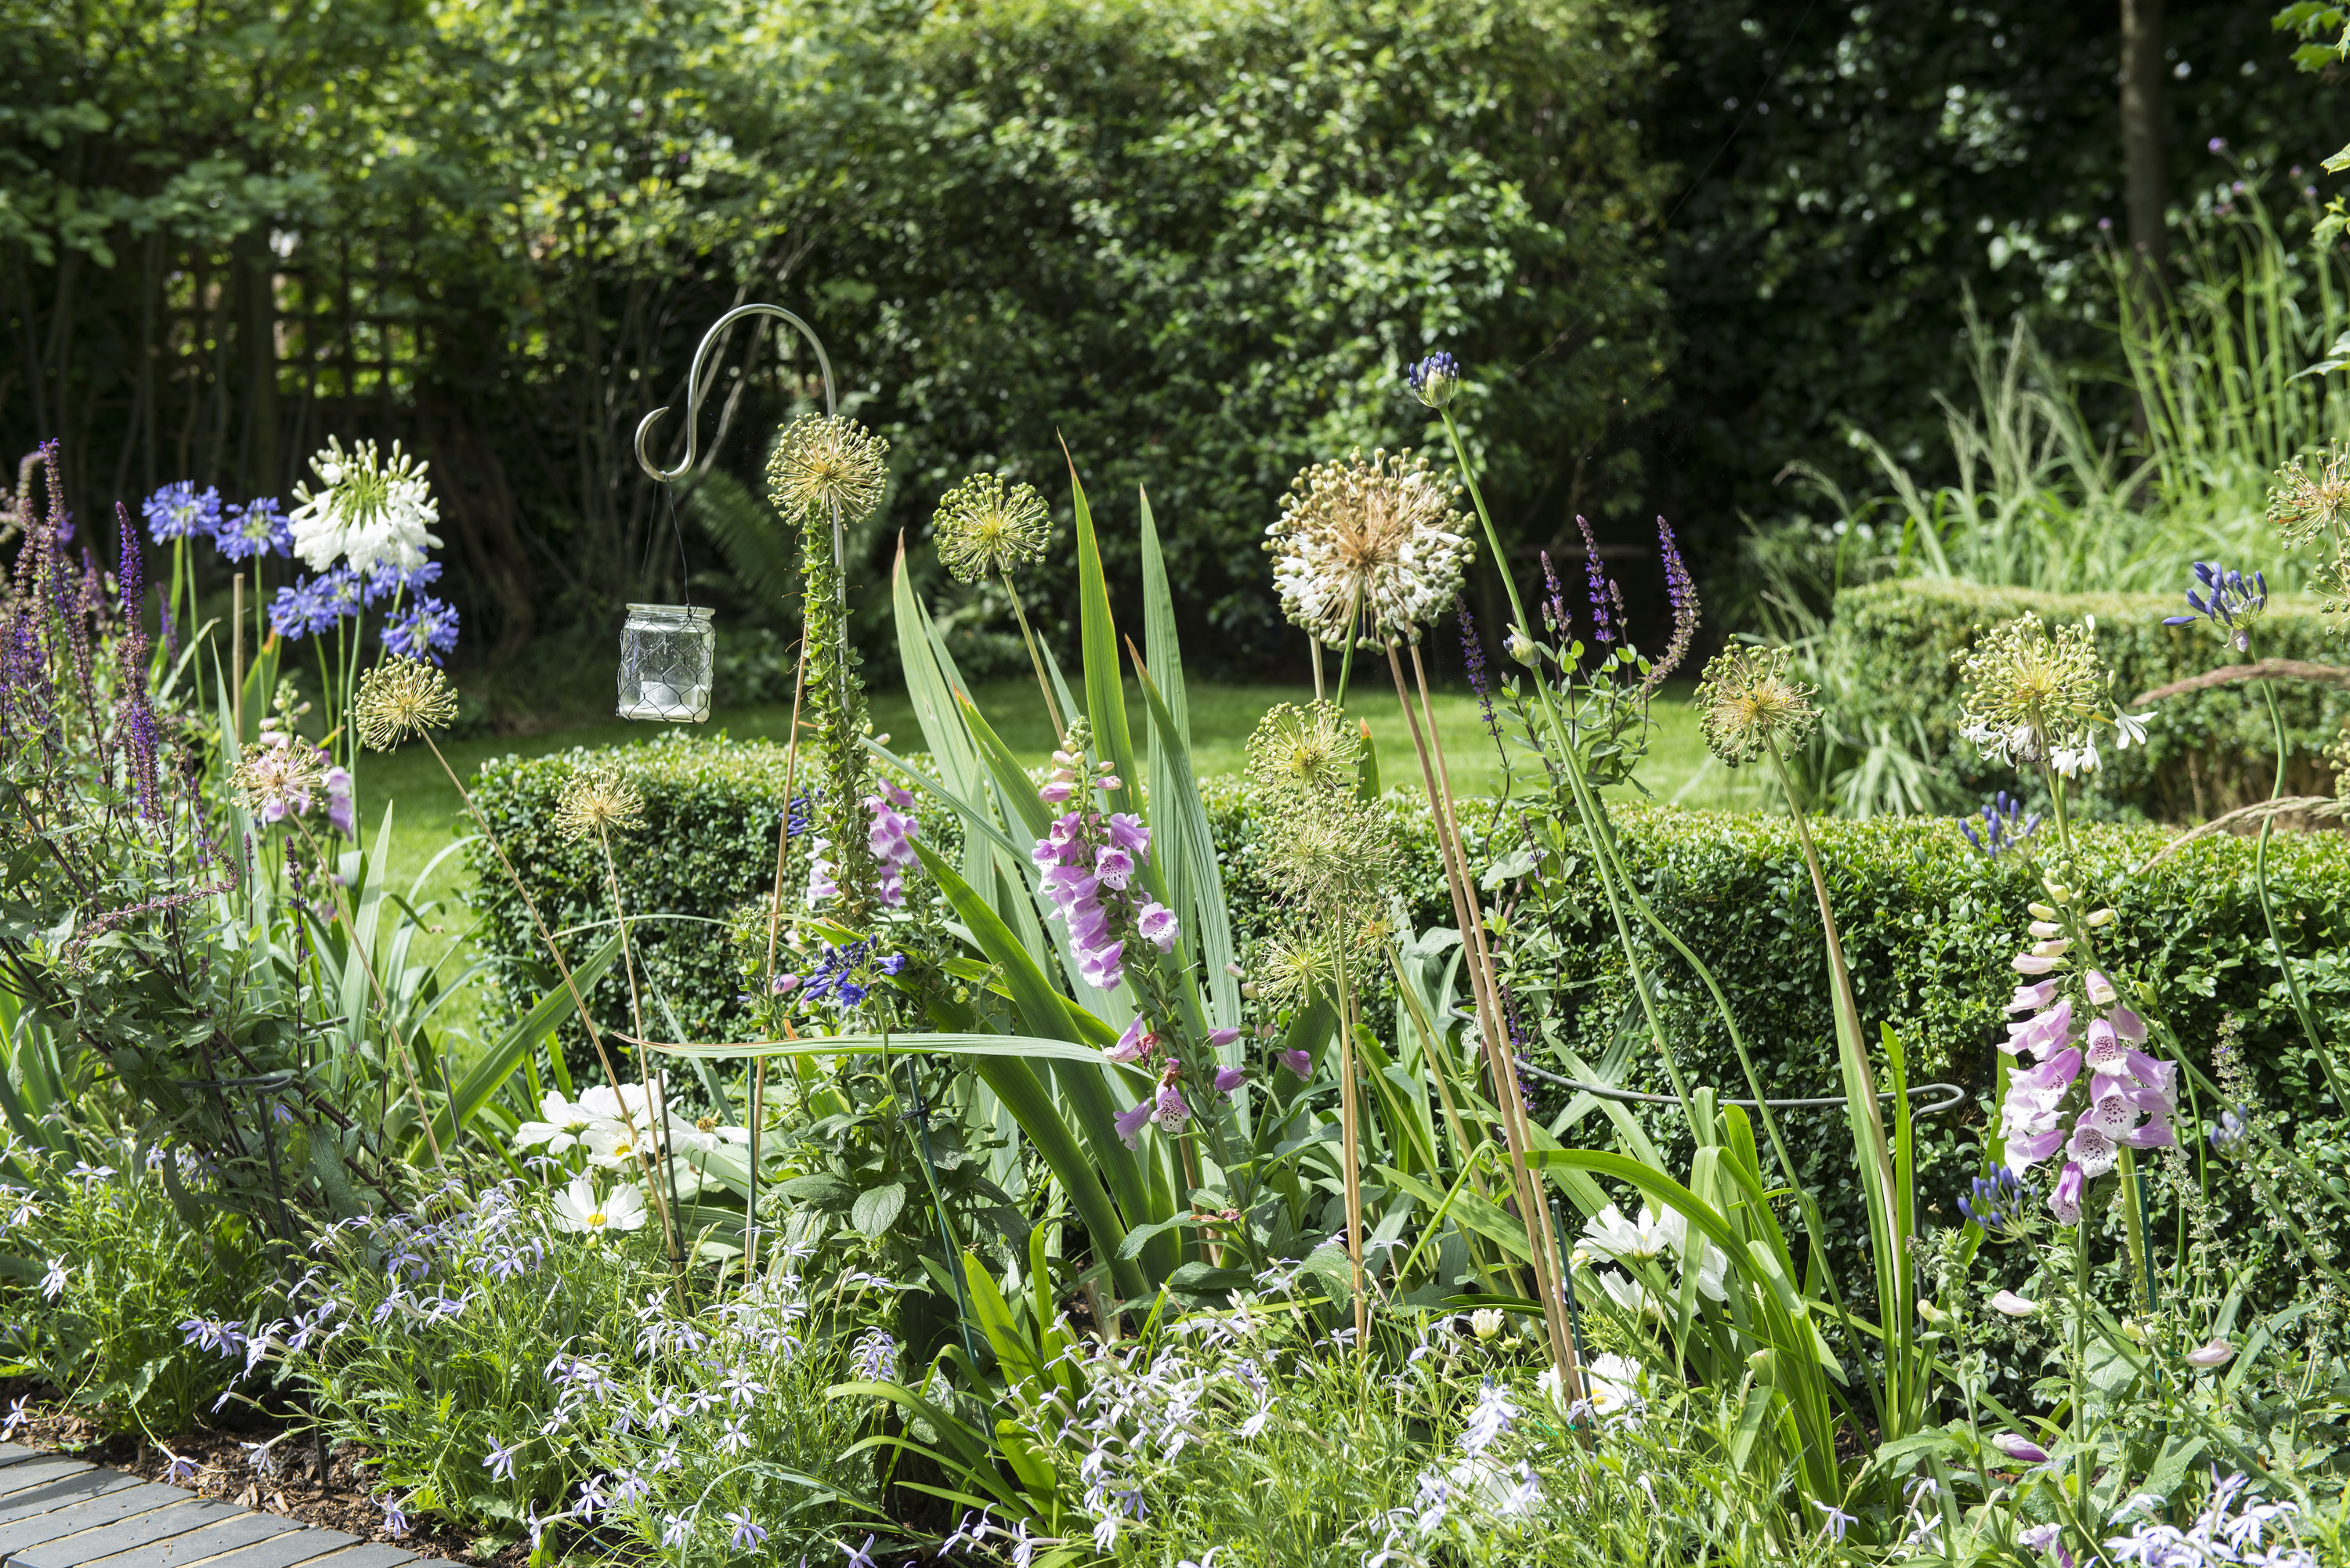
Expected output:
(1129, 1124)
(1227, 1079)
(1159, 926)
(2007, 1304)
(2016, 1446)
(2033, 998)
(1220, 1038)
(1168, 1110)
(1298, 1061)
(1134, 1045)
(2217, 1352)
(2065, 1202)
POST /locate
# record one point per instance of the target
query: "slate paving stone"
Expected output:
(38, 1472)
(158, 1523)
(284, 1551)
(88, 1483)
(142, 1497)
(11, 1454)
(376, 1555)
(239, 1529)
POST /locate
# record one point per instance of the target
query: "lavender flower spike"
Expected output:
(1604, 593)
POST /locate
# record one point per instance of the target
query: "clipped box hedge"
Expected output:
(1929, 926)
(2206, 752)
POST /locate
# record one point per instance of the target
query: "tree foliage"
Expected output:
(1196, 239)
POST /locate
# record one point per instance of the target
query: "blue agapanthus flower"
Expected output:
(426, 629)
(385, 582)
(1435, 380)
(2229, 601)
(2007, 829)
(314, 605)
(181, 510)
(256, 528)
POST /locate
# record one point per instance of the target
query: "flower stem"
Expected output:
(1051, 709)
(571, 984)
(2268, 912)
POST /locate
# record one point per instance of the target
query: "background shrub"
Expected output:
(1891, 643)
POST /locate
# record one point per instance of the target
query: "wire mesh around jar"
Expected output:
(667, 653)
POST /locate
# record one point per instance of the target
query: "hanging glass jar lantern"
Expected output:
(669, 652)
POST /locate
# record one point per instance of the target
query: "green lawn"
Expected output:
(428, 818)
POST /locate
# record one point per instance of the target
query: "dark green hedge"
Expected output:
(1891, 643)
(707, 846)
(1929, 924)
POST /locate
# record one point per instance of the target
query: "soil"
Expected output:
(293, 1487)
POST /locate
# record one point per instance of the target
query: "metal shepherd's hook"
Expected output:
(697, 389)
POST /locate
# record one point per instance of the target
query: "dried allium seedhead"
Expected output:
(1747, 704)
(2030, 696)
(1370, 549)
(2306, 508)
(596, 802)
(825, 462)
(402, 698)
(983, 525)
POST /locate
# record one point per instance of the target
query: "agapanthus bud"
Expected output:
(1522, 648)
(1436, 379)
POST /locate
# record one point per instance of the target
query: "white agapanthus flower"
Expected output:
(579, 1209)
(372, 512)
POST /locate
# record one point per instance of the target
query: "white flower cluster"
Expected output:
(372, 512)
(1628, 1242)
(1368, 550)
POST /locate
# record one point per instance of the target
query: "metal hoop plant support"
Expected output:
(1947, 1097)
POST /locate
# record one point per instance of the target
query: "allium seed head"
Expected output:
(1747, 701)
(1368, 549)
(826, 461)
(2030, 695)
(983, 525)
(596, 802)
(402, 698)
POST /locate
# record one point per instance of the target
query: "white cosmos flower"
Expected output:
(566, 1124)
(578, 1208)
(374, 513)
(1610, 1383)
(1608, 1232)
(1626, 1293)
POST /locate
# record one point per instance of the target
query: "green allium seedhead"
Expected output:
(834, 723)
(1747, 701)
(2030, 697)
(822, 462)
(1326, 848)
(982, 525)
(2315, 510)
